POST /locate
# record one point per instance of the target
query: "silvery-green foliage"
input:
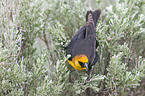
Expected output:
(32, 61)
(121, 38)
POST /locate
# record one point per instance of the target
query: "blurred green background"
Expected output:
(33, 63)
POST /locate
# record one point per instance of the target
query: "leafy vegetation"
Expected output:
(32, 61)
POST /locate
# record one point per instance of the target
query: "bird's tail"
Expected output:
(94, 15)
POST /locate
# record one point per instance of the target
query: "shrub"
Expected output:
(32, 61)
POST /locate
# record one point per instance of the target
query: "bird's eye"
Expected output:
(82, 64)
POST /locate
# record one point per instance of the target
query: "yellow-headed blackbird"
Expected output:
(82, 47)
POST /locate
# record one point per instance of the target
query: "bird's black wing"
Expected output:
(85, 42)
(80, 35)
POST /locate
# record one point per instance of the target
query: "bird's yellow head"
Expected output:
(79, 62)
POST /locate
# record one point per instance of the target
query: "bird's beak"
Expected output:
(86, 65)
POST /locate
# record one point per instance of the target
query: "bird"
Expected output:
(83, 45)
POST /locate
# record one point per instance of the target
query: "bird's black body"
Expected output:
(84, 41)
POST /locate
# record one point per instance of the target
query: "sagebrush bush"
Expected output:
(33, 62)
